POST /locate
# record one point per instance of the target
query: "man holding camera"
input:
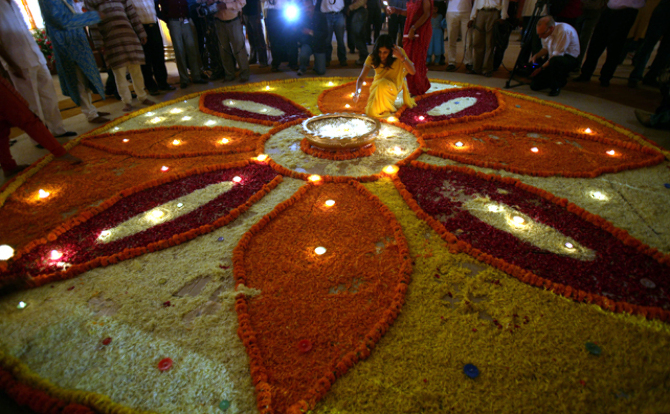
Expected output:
(560, 43)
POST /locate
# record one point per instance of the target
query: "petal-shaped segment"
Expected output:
(521, 230)
(256, 107)
(333, 276)
(542, 152)
(176, 142)
(450, 106)
(144, 220)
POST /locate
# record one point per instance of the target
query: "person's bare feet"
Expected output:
(70, 158)
(99, 120)
(148, 102)
(128, 108)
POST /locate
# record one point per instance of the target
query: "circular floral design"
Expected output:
(318, 258)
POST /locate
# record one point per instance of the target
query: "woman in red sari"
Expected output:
(417, 34)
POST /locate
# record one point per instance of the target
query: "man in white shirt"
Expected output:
(484, 14)
(34, 83)
(560, 45)
(458, 15)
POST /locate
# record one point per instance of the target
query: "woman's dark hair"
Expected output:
(387, 42)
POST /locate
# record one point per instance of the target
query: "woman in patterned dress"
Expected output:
(119, 35)
(418, 31)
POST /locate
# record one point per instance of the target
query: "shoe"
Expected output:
(293, 67)
(99, 120)
(443, 60)
(604, 83)
(468, 67)
(67, 134)
(470, 71)
(555, 92)
(300, 72)
(39, 146)
(343, 64)
(275, 68)
(148, 102)
(451, 68)
(166, 88)
(128, 108)
(184, 85)
(488, 74)
(200, 81)
(103, 113)
(643, 117)
(360, 62)
(582, 78)
(153, 92)
(632, 83)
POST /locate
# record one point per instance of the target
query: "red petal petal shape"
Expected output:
(339, 302)
(488, 102)
(619, 274)
(213, 104)
(81, 250)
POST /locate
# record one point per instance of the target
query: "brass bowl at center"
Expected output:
(340, 131)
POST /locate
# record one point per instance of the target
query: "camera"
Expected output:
(205, 10)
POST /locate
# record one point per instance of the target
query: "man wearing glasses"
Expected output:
(560, 46)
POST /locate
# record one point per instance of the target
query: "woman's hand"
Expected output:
(412, 32)
(397, 53)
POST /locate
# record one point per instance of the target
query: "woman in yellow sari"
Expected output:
(391, 65)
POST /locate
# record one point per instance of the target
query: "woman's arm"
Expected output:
(359, 82)
(425, 5)
(396, 10)
(399, 54)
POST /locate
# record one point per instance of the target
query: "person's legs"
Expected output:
(453, 29)
(393, 27)
(661, 60)
(259, 39)
(478, 42)
(358, 22)
(621, 22)
(339, 24)
(467, 38)
(192, 51)
(586, 23)
(87, 107)
(37, 89)
(175, 28)
(273, 25)
(305, 54)
(138, 81)
(226, 50)
(659, 26)
(239, 49)
(7, 162)
(320, 63)
(155, 74)
(597, 45)
(559, 69)
(122, 85)
(491, 17)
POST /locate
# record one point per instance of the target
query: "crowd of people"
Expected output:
(561, 37)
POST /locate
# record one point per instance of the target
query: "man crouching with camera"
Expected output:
(560, 49)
